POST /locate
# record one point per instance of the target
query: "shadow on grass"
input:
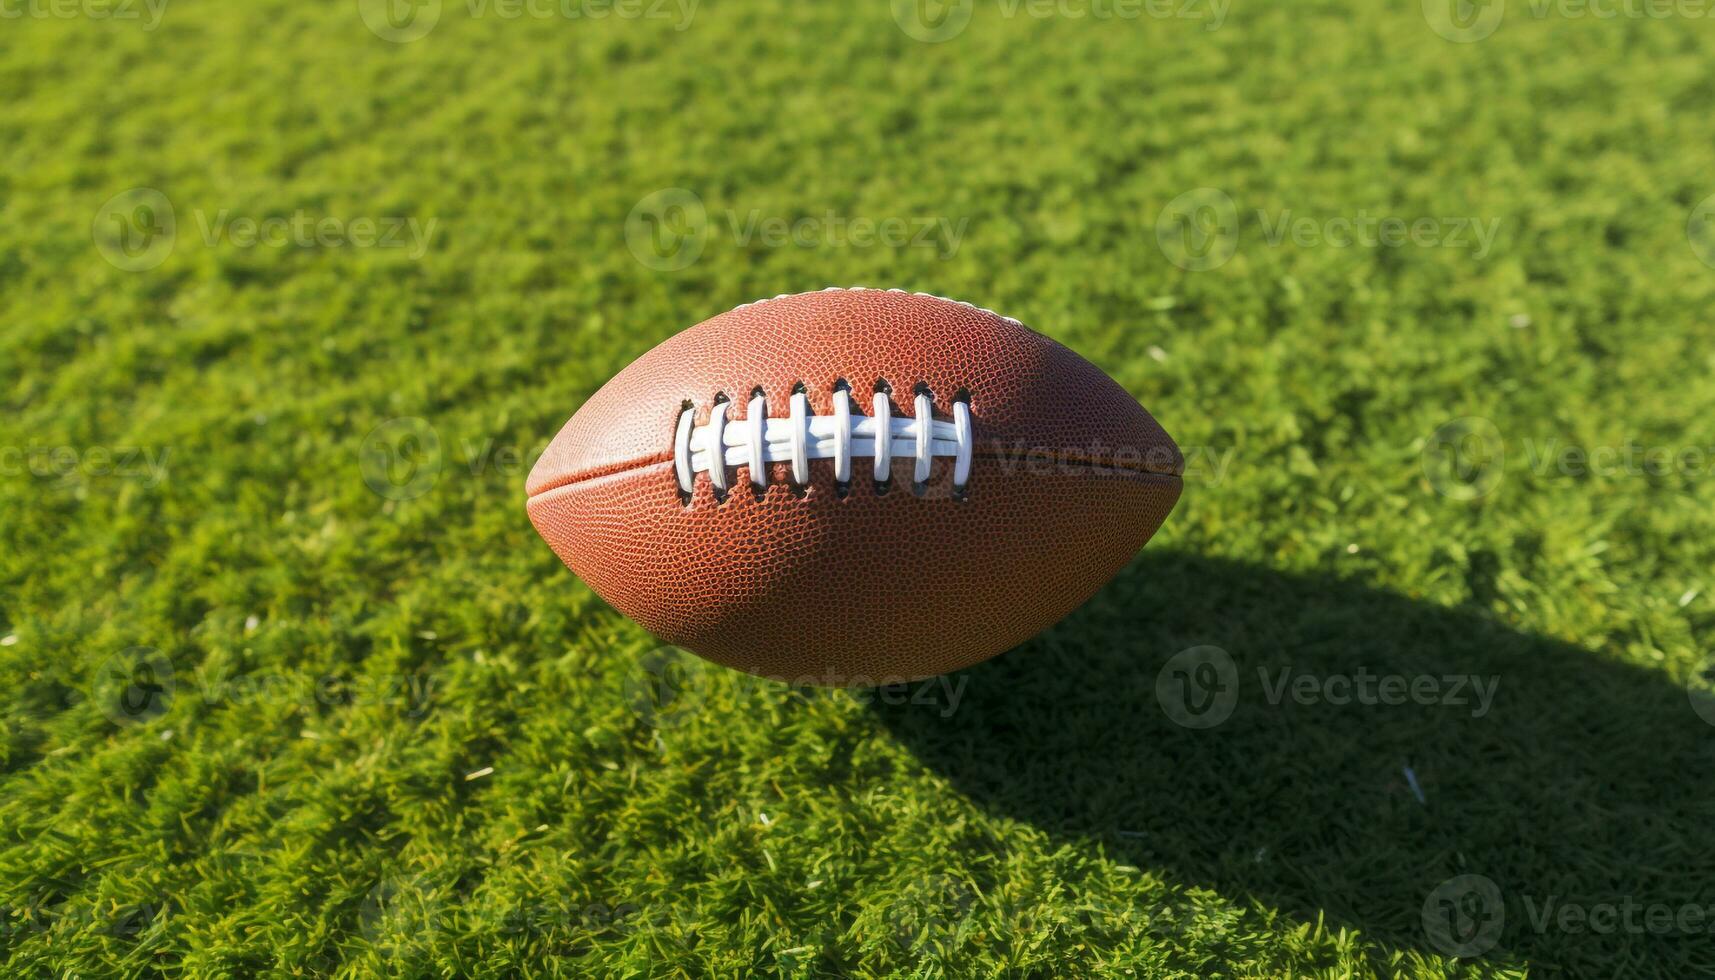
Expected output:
(1585, 784)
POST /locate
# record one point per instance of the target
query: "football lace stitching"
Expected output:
(757, 440)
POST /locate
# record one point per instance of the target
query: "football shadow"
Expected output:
(1580, 782)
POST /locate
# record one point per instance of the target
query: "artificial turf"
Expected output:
(289, 686)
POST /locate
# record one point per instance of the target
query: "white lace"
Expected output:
(758, 440)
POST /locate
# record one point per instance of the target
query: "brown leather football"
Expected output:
(853, 486)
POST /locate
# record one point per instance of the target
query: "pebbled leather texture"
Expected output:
(1070, 476)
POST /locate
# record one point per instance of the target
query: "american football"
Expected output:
(429, 547)
(854, 486)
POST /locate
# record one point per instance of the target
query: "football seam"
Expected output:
(1019, 458)
(871, 289)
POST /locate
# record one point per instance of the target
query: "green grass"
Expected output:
(283, 693)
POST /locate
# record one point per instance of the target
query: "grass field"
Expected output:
(293, 294)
